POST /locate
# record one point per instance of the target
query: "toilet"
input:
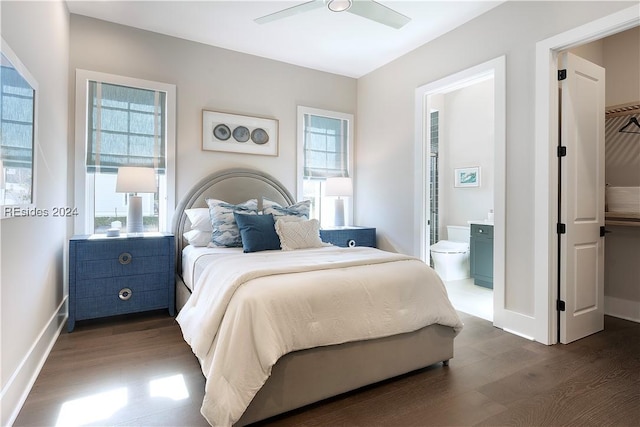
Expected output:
(451, 257)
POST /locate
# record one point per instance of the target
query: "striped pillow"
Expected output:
(225, 229)
(300, 209)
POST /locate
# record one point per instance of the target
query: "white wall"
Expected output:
(214, 79)
(32, 254)
(467, 140)
(384, 148)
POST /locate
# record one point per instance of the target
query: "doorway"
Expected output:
(429, 184)
(546, 189)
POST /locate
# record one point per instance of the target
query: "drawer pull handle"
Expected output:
(125, 294)
(480, 231)
(125, 258)
(351, 243)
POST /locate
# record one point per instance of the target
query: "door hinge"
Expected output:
(561, 228)
(562, 151)
(560, 305)
(603, 231)
(562, 75)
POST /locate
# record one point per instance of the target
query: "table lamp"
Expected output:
(135, 180)
(339, 187)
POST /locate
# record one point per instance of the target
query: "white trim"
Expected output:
(622, 308)
(83, 194)
(494, 68)
(546, 141)
(18, 386)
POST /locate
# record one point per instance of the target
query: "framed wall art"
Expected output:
(236, 133)
(467, 177)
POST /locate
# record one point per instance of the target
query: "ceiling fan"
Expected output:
(366, 8)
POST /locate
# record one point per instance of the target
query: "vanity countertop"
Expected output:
(480, 222)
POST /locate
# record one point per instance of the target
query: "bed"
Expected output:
(297, 368)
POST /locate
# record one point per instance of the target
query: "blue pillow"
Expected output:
(258, 232)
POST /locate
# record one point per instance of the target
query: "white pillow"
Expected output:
(198, 237)
(199, 218)
(299, 234)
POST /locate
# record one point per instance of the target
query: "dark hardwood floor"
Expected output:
(137, 371)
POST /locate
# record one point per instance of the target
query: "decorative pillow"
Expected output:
(225, 230)
(300, 209)
(299, 234)
(198, 237)
(199, 218)
(258, 232)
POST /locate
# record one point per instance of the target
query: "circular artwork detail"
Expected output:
(222, 132)
(241, 134)
(259, 136)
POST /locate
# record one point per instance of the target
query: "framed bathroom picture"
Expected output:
(467, 177)
(237, 133)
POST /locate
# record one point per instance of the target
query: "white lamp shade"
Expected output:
(339, 186)
(136, 180)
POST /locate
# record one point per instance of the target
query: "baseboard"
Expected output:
(15, 392)
(622, 308)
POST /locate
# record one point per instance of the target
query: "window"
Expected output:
(17, 132)
(325, 146)
(122, 121)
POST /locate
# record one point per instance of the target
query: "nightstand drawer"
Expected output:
(111, 286)
(114, 249)
(349, 236)
(94, 269)
(90, 308)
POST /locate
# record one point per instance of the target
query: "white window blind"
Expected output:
(16, 119)
(326, 143)
(126, 127)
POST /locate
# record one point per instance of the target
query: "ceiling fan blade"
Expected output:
(377, 12)
(294, 10)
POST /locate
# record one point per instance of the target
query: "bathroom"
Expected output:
(462, 190)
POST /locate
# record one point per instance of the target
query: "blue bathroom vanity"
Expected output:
(481, 253)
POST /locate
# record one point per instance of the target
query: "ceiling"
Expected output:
(340, 43)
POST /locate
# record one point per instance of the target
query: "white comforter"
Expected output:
(248, 310)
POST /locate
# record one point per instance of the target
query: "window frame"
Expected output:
(349, 118)
(84, 187)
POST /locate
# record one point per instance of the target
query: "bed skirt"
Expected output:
(307, 376)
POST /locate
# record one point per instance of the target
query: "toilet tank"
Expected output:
(458, 233)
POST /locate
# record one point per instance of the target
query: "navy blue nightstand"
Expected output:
(349, 236)
(117, 275)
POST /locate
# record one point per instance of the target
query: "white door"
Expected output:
(582, 199)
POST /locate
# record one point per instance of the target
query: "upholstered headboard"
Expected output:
(231, 185)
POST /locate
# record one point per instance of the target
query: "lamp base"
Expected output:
(338, 219)
(134, 216)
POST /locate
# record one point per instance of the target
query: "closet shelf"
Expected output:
(627, 219)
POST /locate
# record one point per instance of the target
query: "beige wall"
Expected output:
(467, 140)
(32, 249)
(385, 145)
(215, 79)
(619, 54)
